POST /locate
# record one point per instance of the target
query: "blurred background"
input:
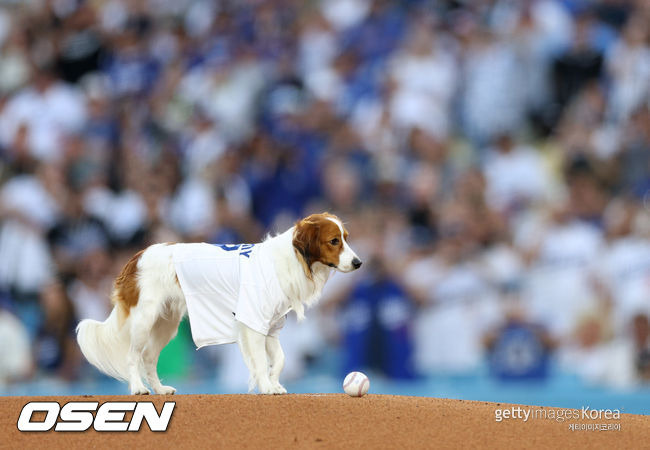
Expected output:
(491, 159)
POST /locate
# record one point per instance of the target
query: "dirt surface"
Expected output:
(332, 421)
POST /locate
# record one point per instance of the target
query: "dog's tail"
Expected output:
(106, 344)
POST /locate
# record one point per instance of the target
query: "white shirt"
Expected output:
(610, 364)
(191, 210)
(25, 258)
(223, 284)
(624, 266)
(89, 302)
(15, 353)
(448, 332)
(425, 88)
(558, 287)
(49, 115)
(512, 177)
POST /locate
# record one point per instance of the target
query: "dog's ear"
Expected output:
(306, 241)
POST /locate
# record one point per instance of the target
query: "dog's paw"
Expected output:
(269, 388)
(265, 390)
(165, 390)
(139, 390)
(273, 389)
(279, 389)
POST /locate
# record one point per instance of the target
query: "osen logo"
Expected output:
(78, 416)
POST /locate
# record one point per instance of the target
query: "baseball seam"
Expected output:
(363, 383)
(350, 381)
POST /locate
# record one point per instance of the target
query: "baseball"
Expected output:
(356, 384)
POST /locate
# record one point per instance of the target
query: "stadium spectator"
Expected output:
(29, 208)
(641, 342)
(493, 101)
(515, 175)
(558, 288)
(16, 361)
(624, 265)
(519, 349)
(55, 347)
(90, 289)
(425, 75)
(48, 109)
(458, 303)
(628, 66)
(377, 325)
(580, 63)
(597, 356)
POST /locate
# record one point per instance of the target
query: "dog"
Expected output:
(231, 293)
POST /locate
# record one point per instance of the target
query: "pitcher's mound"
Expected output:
(338, 421)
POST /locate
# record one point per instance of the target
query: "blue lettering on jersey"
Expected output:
(245, 249)
(228, 248)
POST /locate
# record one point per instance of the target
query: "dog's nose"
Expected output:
(356, 263)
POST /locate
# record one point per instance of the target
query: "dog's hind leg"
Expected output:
(142, 323)
(163, 331)
(276, 360)
(253, 348)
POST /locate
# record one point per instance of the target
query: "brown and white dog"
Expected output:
(150, 298)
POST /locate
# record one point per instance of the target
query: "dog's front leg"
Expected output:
(276, 359)
(253, 348)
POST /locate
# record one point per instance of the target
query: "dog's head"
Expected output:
(323, 238)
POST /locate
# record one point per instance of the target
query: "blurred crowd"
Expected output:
(491, 159)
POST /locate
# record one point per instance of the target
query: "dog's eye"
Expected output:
(334, 241)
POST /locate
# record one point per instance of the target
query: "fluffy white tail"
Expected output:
(105, 344)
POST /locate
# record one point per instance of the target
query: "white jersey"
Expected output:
(223, 284)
